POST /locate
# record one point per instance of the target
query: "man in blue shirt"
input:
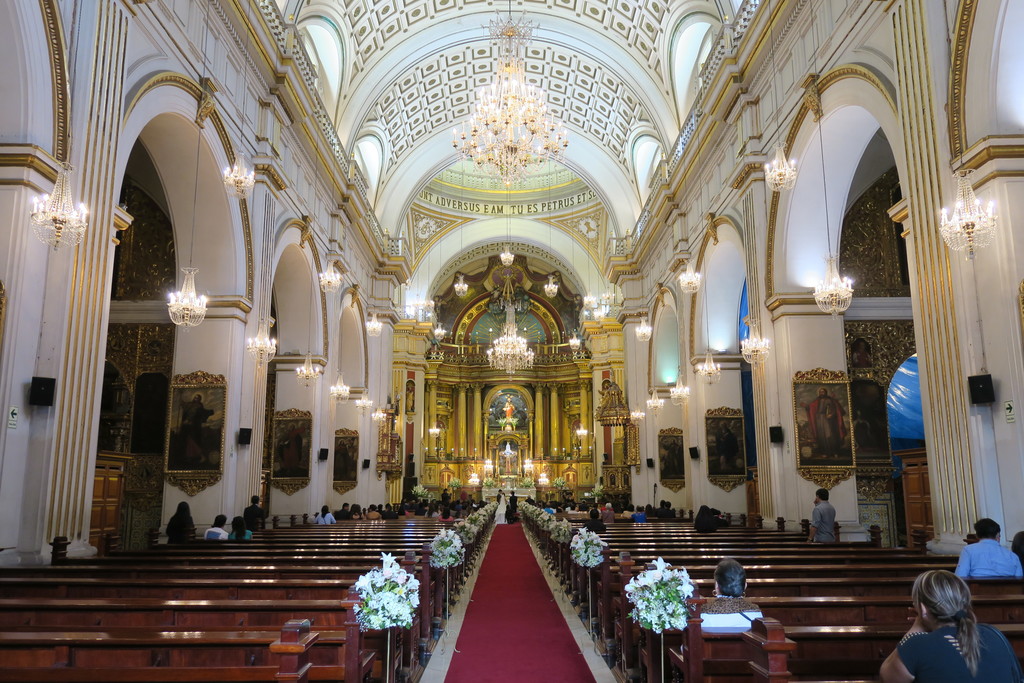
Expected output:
(987, 557)
(823, 519)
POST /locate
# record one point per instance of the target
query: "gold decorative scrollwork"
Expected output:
(674, 485)
(192, 483)
(825, 478)
(633, 445)
(726, 482)
(884, 346)
(206, 102)
(723, 412)
(289, 486)
(199, 377)
(871, 488)
(820, 375)
(812, 95)
(344, 486)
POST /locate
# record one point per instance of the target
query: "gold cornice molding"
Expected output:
(961, 48)
(989, 149)
(270, 172)
(824, 82)
(745, 172)
(38, 162)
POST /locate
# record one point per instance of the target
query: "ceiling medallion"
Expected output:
(510, 131)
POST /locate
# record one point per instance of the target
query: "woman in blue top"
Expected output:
(238, 530)
(946, 644)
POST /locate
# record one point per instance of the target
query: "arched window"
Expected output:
(692, 46)
(646, 155)
(323, 44)
(370, 157)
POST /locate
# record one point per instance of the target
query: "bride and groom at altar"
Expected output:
(507, 508)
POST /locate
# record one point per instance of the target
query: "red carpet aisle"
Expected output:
(513, 630)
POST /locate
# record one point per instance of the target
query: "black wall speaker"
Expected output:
(324, 453)
(775, 434)
(980, 386)
(650, 462)
(366, 464)
(244, 436)
(694, 452)
(41, 391)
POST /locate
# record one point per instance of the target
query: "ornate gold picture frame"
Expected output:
(194, 447)
(292, 449)
(727, 455)
(825, 449)
(671, 461)
(346, 459)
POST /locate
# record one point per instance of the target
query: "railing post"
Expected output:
(805, 527)
(768, 651)
(293, 646)
(275, 522)
(875, 532)
(60, 550)
(780, 523)
(152, 538)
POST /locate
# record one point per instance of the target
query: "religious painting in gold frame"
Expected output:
(346, 459)
(726, 457)
(825, 448)
(194, 446)
(670, 458)
(291, 446)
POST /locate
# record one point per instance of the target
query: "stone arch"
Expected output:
(856, 104)
(352, 352)
(296, 294)
(165, 105)
(692, 39)
(33, 114)
(664, 360)
(722, 262)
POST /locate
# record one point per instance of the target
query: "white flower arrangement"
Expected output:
(466, 531)
(420, 491)
(455, 483)
(561, 530)
(489, 483)
(448, 550)
(560, 483)
(526, 482)
(586, 547)
(390, 596)
(659, 597)
(598, 491)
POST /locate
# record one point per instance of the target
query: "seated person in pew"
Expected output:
(594, 523)
(343, 513)
(179, 524)
(324, 516)
(1018, 546)
(708, 519)
(238, 530)
(945, 642)
(639, 516)
(986, 557)
(356, 512)
(729, 609)
(217, 532)
(608, 514)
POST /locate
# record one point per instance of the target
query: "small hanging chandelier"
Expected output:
(779, 173)
(834, 293)
(755, 349)
(637, 416)
(589, 302)
(474, 479)
(643, 330)
(440, 332)
(364, 403)
(186, 308)
(970, 226)
(379, 415)
(330, 279)
(543, 479)
(551, 288)
(340, 391)
(680, 393)
(307, 373)
(655, 403)
(55, 220)
(262, 347)
(574, 342)
(373, 326)
(581, 432)
(507, 257)
(689, 281)
(238, 179)
(461, 287)
(709, 369)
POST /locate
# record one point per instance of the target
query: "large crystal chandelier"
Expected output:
(364, 403)
(780, 173)
(186, 308)
(709, 369)
(510, 131)
(689, 281)
(330, 279)
(439, 332)
(461, 287)
(755, 349)
(507, 257)
(510, 352)
(307, 373)
(643, 330)
(637, 416)
(55, 220)
(680, 393)
(238, 179)
(262, 347)
(969, 226)
(340, 391)
(834, 293)
(379, 415)
(655, 403)
(551, 288)
(575, 342)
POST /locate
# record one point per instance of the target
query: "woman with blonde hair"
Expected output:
(946, 642)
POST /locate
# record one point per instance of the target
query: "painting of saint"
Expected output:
(726, 454)
(860, 353)
(346, 454)
(823, 424)
(507, 409)
(670, 454)
(196, 435)
(292, 447)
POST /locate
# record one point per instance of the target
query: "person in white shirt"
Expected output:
(729, 609)
(325, 516)
(217, 532)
